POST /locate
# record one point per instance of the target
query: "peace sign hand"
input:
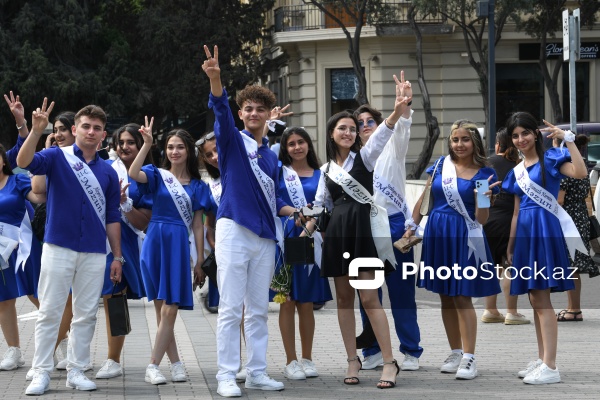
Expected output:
(280, 112)
(211, 65)
(402, 87)
(16, 108)
(555, 132)
(406, 87)
(146, 130)
(39, 120)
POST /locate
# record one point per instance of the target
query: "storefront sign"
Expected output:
(531, 51)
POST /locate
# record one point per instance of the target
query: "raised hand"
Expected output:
(123, 190)
(16, 108)
(555, 132)
(146, 130)
(39, 120)
(402, 88)
(280, 112)
(406, 89)
(211, 65)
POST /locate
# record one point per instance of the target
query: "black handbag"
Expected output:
(209, 266)
(299, 250)
(594, 224)
(118, 314)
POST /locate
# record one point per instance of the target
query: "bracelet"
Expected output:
(410, 224)
(387, 125)
(127, 206)
(569, 137)
(22, 126)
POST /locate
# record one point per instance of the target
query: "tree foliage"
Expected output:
(132, 57)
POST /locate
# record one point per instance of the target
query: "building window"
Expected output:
(343, 89)
(582, 91)
(519, 87)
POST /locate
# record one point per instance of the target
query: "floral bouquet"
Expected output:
(282, 283)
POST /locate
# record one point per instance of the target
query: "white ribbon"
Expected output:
(124, 179)
(547, 201)
(380, 225)
(216, 189)
(183, 203)
(271, 124)
(90, 185)
(388, 190)
(266, 184)
(475, 241)
(9, 240)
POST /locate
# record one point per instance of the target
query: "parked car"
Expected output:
(592, 130)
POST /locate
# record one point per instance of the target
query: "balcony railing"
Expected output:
(305, 17)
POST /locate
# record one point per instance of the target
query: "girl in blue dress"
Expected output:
(300, 167)
(135, 215)
(15, 280)
(454, 237)
(179, 198)
(537, 239)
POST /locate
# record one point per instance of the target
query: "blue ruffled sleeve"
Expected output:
(438, 170)
(153, 176)
(554, 158)
(509, 182)
(485, 172)
(201, 195)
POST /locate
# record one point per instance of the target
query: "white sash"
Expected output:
(475, 242)
(294, 187)
(380, 225)
(124, 178)
(183, 203)
(216, 189)
(547, 201)
(11, 237)
(388, 190)
(266, 184)
(296, 193)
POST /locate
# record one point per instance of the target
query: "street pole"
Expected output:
(491, 128)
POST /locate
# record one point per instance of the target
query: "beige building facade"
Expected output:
(313, 73)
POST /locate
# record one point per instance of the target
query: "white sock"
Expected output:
(468, 356)
(459, 351)
(152, 365)
(176, 363)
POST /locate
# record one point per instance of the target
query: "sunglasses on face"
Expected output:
(370, 122)
(203, 139)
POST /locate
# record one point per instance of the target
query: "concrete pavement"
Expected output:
(501, 351)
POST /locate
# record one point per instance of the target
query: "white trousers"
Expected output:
(63, 269)
(246, 264)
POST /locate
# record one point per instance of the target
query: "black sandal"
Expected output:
(561, 316)
(353, 380)
(391, 384)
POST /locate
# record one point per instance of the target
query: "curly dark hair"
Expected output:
(331, 147)
(257, 94)
(311, 156)
(192, 160)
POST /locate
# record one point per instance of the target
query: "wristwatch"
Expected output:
(120, 259)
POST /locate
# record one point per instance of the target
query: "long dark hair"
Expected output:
(479, 155)
(506, 146)
(331, 147)
(311, 156)
(529, 123)
(67, 118)
(6, 168)
(133, 130)
(192, 160)
(212, 171)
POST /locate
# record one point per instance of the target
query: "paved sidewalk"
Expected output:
(501, 352)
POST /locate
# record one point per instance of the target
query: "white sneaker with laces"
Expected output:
(30, 374)
(77, 380)
(309, 368)
(467, 369)
(12, 359)
(109, 369)
(178, 372)
(40, 383)
(373, 361)
(262, 381)
(451, 363)
(542, 375)
(154, 376)
(533, 365)
(294, 371)
(410, 363)
(228, 388)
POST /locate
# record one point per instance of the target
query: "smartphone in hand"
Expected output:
(482, 186)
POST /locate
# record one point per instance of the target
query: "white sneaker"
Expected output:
(542, 375)
(373, 361)
(467, 369)
(154, 376)
(309, 368)
(77, 380)
(39, 384)
(533, 365)
(410, 363)
(451, 363)
(294, 371)
(241, 375)
(178, 372)
(263, 382)
(12, 359)
(228, 388)
(30, 374)
(109, 369)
